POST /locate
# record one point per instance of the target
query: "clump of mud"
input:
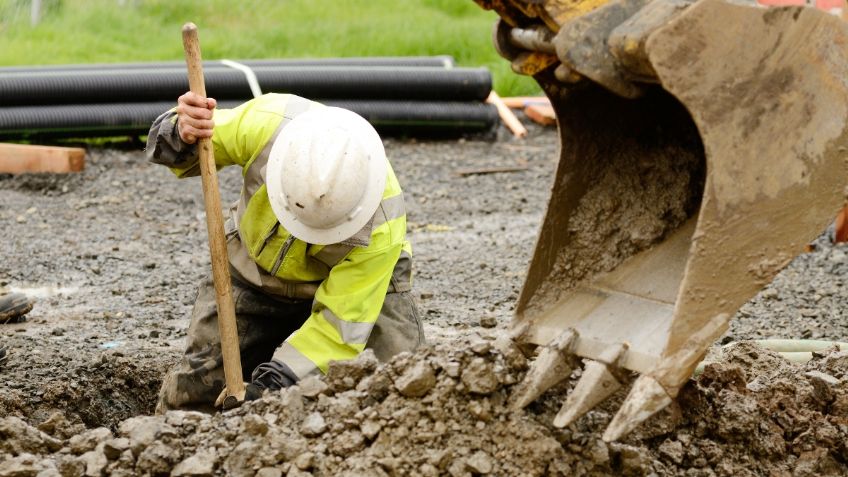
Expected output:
(445, 411)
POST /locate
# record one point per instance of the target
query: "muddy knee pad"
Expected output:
(194, 383)
(398, 327)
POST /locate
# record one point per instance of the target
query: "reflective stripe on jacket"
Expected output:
(349, 280)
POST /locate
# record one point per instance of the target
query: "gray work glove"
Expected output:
(273, 375)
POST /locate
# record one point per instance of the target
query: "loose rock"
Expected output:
(417, 380)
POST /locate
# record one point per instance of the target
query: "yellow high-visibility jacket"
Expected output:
(348, 280)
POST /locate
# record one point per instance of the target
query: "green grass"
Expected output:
(100, 31)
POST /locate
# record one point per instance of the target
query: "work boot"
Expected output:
(13, 307)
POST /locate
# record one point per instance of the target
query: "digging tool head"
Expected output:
(703, 146)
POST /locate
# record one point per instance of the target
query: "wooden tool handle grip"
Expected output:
(193, 61)
(215, 227)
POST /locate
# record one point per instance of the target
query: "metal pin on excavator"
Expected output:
(703, 144)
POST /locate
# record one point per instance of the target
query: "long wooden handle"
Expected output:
(215, 228)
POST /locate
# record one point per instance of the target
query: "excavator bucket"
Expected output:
(702, 146)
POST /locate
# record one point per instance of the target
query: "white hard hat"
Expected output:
(326, 175)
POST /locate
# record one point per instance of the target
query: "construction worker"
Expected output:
(320, 264)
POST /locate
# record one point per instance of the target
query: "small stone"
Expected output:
(769, 294)
(20, 219)
(295, 472)
(292, 399)
(344, 375)
(312, 386)
(479, 463)
(417, 380)
(427, 470)
(488, 321)
(113, 448)
(24, 465)
(824, 378)
(18, 437)
(158, 458)
(181, 418)
(70, 466)
(287, 448)
(389, 464)
(452, 369)
(599, 452)
(377, 386)
(305, 461)
(88, 440)
(57, 423)
(255, 425)
(95, 461)
(201, 464)
(672, 450)
(347, 443)
(479, 377)
(458, 469)
(269, 472)
(481, 409)
(144, 430)
(480, 347)
(823, 385)
(634, 461)
(370, 429)
(313, 425)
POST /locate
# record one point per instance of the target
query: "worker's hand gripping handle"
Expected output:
(217, 241)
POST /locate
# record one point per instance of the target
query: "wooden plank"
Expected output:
(524, 101)
(21, 158)
(541, 114)
(842, 226)
(489, 170)
(507, 116)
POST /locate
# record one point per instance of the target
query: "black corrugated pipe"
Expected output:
(442, 61)
(342, 82)
(102, 120)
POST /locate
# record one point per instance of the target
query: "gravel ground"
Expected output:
(113, 257)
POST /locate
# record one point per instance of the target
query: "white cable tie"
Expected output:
(249, 75)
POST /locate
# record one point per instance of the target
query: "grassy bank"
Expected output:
(102, 31)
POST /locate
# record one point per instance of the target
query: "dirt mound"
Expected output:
(445, 412)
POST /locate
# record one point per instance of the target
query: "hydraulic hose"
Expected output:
(442, 61)
(102, 120)
(328, 82)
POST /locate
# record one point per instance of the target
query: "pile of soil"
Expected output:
(444, 411)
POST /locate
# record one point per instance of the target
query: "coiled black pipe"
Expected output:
(101, 120)
(442, 61)
(423, 84)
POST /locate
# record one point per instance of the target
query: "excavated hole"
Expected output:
(94, 391)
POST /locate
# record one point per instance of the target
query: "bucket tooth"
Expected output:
(600, 379)
(646, 398)
(596, 384)
(553, 364)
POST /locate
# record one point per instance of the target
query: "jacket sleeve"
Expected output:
(164, 145)
(346, 307)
